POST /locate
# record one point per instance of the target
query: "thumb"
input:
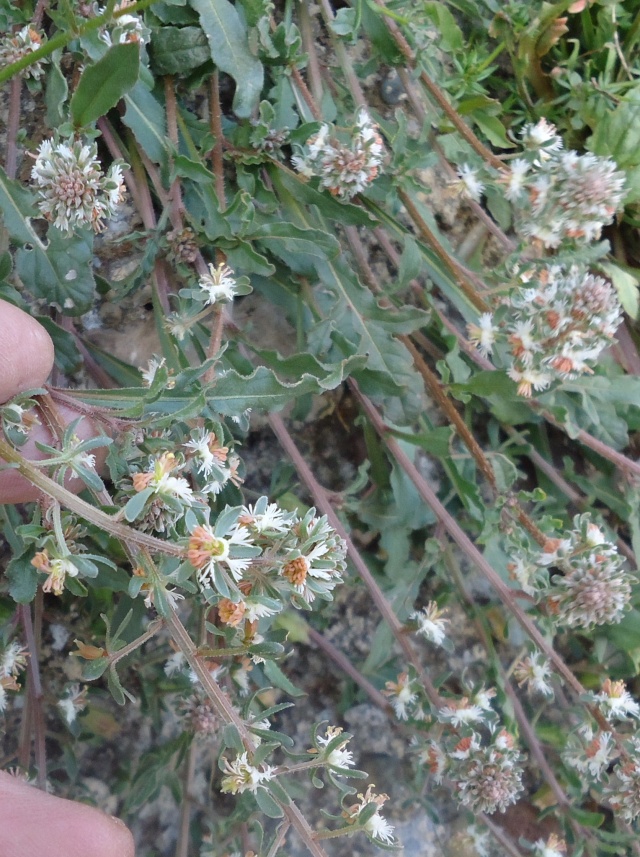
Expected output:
(36, 824)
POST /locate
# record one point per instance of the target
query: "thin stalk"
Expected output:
(35, 689)
(151, 631)
(182, 845)
(343, 662)
(13, 126)
(321, 500)
(81, 507)
(436, 93)
(309, 45)
(278, 839)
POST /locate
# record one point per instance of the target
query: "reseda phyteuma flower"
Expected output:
(615, 701)
(208, 552)
(535, 672)
(18, 45)
(208, 452)
(57, 570)
(126, 28)
(483, 334)
(160, 479)
(339, 757)
(73, 702)
(431, 623)
(402, 695)
(552, 847)
(242, 776)
(344, 169)
(461, 712)
(73, 189)
(590, 754)
(219, 285)
(471, 185)
(376, 827)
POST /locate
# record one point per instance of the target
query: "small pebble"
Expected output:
(391, 88)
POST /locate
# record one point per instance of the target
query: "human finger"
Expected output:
(26, 352)
(36, 824)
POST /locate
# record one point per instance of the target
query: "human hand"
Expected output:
(33, 823)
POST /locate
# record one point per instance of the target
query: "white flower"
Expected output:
(339, 756)
(73, 702)
(535, 672)
(483, 334)
(206, 551)
(218, 285)
(553, 847)
(377, 826)
(272, 519)
(13, 660)
(461, 715)
(542, 135)
(241, 776)
(174, 663)
(473, 187)
(517, 179)
(149, 373)
(3, 698)
(616, 702)
(431, 623)
(529, 379)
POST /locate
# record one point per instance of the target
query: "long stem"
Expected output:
(35, 686)
(13, 126)
(82, 508)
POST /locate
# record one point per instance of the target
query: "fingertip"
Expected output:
(26, 352)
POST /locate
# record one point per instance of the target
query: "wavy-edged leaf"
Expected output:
(230, 51)
(178, 50)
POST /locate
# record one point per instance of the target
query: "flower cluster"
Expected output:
(590, 752)
(18, 45)
(486, 777)
(591, 585)
(567, 197)
(73, 190)
(623, 788)
(13, 660)
(556, 323)
(253, 557)
(557, 196)
(344, 168)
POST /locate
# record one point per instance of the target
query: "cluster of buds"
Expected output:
(486, 777)
(484, 772)
(344, 168)
(73, 190)
(161, 496)
(183, 245)
(555, 323)
(18, 45)
(13, 660)
(591, 585)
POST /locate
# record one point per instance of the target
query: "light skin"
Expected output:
(32, 823)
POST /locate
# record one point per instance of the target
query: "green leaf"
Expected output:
(450, 36)
(136, 504)
(279, 679)
(104, 83)
(23, 577)
(267, 804)
(286, 240)
(178, 50)
(626, 281)
(146, 118)
(56, 93)
(62, 274)
(230, 51)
